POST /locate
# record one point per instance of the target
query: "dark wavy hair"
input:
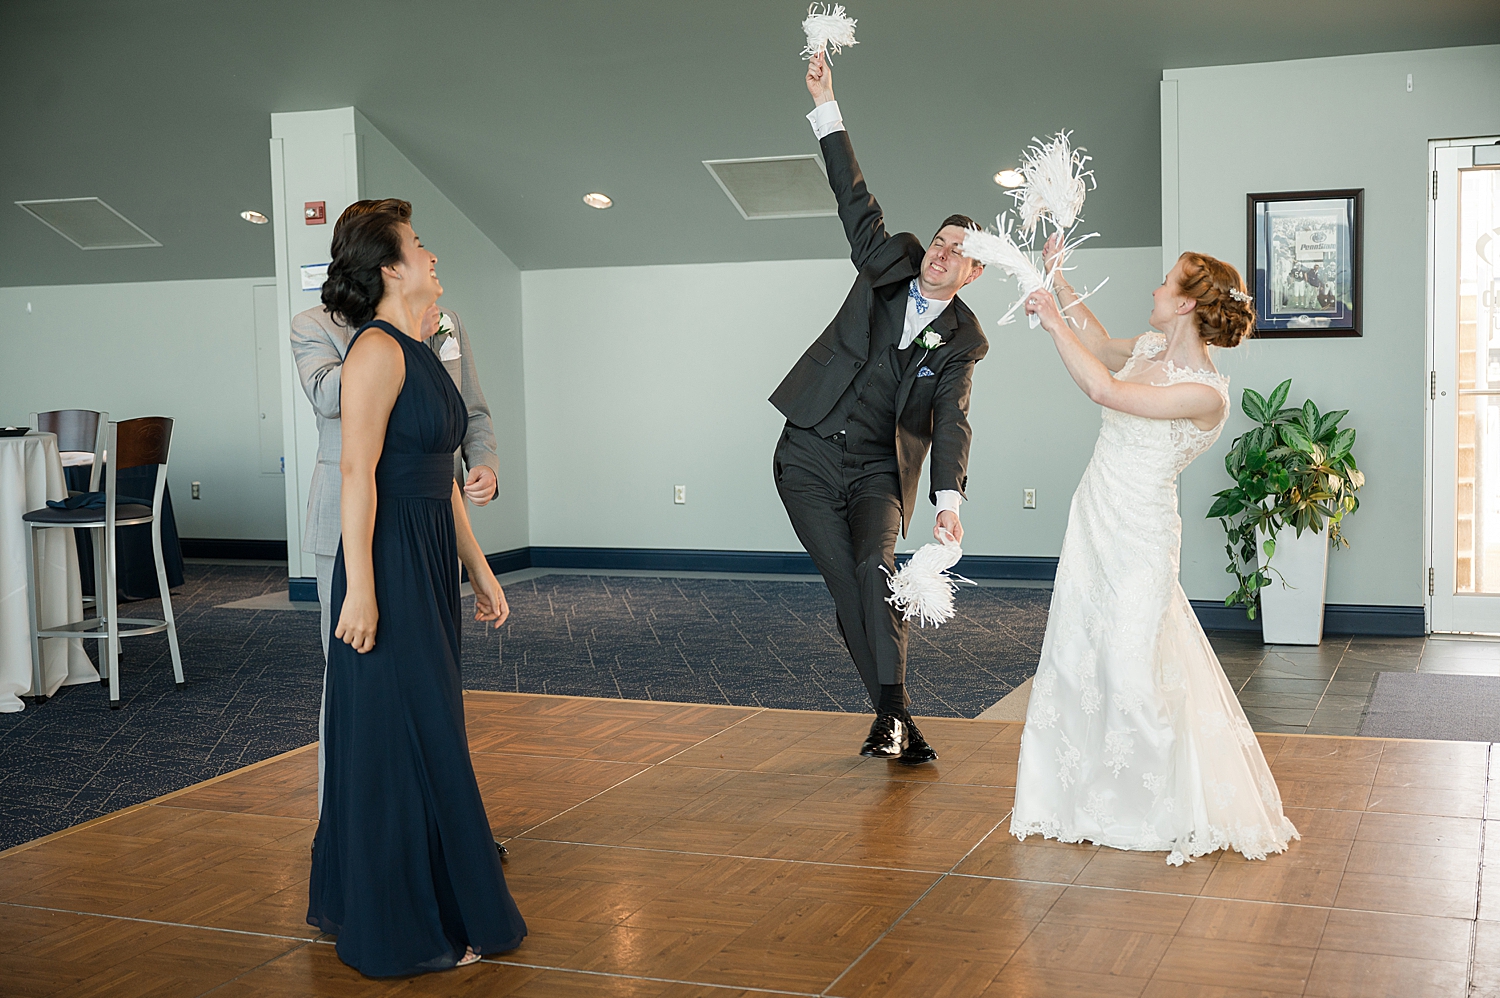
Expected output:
(365, 238)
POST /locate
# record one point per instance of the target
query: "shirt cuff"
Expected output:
(826, 119)
(948, 499)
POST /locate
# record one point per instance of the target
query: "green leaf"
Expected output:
(1278, 397)
(1343, 443)
(1225, 505)
(1296, 438)
(1254, 405)
(1309, 415)
(1269, 547)
(1329, 421)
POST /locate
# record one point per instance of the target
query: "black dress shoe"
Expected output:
(505, 853)
(888, 737)
(917, 750)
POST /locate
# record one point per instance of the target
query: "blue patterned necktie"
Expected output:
(916, 296)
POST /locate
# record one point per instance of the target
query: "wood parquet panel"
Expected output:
(677, 851)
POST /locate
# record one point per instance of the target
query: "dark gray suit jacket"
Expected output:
(931, 412)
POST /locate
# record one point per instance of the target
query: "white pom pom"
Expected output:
(1055, 184)
(999, 249)
(827, 27)
(923, 588)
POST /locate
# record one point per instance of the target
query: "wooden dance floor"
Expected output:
(665, 850)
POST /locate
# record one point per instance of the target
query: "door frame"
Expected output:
(1439, 618)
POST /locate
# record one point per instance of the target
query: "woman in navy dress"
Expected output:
(404, 869)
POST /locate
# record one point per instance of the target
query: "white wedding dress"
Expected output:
(1134, 738)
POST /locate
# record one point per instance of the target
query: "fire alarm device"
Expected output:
(314, 213)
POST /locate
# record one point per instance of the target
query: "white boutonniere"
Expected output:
(449, 350)
(929, 340)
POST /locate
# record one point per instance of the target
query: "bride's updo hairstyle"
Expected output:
(365, 238)
(1225, 312)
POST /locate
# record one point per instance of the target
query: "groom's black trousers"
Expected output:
(846, 510)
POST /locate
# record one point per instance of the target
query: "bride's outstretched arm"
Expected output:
(1091, 332)
(1189, 400)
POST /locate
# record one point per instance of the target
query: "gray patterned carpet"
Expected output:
(254, 675)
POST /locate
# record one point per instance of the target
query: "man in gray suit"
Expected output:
(319, 342)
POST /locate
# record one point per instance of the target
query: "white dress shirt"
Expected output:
(825, 120)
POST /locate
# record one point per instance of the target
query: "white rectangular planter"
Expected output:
(1291, 611)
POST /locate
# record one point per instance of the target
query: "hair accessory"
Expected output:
(1239, 295)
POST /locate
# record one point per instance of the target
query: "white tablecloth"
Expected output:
(31, 473)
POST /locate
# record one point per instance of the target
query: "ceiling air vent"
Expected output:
(89, 223)
(775, 186)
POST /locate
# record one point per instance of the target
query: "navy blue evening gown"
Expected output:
(404, 867)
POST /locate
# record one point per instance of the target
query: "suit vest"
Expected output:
(866, 412)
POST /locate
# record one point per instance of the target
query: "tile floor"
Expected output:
(671, 850)
(1324, 690)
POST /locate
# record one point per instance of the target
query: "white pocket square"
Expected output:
(449, 350)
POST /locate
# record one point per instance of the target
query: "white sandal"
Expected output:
(469, 957)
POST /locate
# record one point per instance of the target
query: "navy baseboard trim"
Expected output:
(747, 562)
(302, 590)
(1338, 618)
(224, 547)
(509, 561)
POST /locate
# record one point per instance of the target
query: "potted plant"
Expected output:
(1294, 482)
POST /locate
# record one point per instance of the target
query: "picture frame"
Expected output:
(1305, 259)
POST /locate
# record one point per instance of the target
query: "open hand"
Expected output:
(489, 599)
(819, 79)
(948, 527)
(357, 621)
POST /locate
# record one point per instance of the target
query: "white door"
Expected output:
(1464, 387)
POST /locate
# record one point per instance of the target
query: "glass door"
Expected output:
(1464, 389)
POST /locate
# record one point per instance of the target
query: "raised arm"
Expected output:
(870, 246)
(1189, 400)
(373, 374)
(318, 364)
(1090, 331)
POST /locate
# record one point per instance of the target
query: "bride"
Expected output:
(1134, 738)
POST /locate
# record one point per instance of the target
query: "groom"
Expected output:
(887, 380)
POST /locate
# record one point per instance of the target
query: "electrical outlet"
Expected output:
(1028, 498)
(197, 493)
(679, 494)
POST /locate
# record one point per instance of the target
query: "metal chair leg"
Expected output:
(111, 599)
(166, 601)
(32, 597)
(101, 614)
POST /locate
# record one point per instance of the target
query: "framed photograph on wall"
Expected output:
(1305, 262)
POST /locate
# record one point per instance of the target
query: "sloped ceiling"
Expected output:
(516, 109)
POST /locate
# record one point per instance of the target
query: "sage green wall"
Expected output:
(641, 378)
(184, 349)
(483, 286)
(1319, 124)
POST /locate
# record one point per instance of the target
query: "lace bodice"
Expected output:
(1182, 438)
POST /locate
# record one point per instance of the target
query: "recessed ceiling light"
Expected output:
(1009, 178)
(254, 216)
(597, 200)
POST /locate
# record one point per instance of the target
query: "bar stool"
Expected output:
(79, 430)
(129, 444)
